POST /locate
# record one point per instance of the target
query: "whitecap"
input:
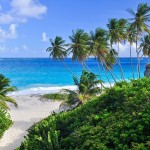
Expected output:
(42, 90)
(46, 90)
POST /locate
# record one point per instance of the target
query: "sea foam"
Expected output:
(46, 90)
(42, 90)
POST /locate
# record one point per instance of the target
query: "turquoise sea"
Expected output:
(37, 75)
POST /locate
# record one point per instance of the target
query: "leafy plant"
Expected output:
(118, 119)
(4, 89)
(87, 87)
(5, 121)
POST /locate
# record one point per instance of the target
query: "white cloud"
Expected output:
(12, 31)
(28, 8)
(25, 47)
(124, 49)
(6, 18)
(44, 37)
(10, 34)
(21, 10)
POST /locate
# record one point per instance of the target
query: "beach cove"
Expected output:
(31, 109)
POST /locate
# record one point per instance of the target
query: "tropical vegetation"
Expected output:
(101, 43)
(5, 87)
(118, 119)
(139, 23)
(5, 121)
(56, 96)
(87, 87)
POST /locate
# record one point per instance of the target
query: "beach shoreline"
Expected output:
(31, 109)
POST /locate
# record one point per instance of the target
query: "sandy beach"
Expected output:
(31, 109)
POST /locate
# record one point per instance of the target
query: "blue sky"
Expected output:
(26, 25)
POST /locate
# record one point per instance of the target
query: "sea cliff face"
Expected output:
(147, 71)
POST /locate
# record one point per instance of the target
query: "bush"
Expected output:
(5, 121)
(119, 119)
(56, 96)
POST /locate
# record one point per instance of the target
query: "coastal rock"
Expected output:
(147, 71)
(67, 107)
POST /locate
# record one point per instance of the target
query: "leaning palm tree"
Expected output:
(87, 87)
(78, 46)
(116, 34)
(4, 89)
(121, 31)
(109, 60)
(57, 51)
(131, 38)
(139, 22)
(145, 45)
(99, 48)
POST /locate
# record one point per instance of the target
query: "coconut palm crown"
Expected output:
(145, 45)
(4, 89)
(57, 50)
(79, 45)
(87, 86)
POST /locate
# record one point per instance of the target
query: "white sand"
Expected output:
(31, 109)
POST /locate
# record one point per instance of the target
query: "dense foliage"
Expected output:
(5, 121)
(118, 119)
(5, 87)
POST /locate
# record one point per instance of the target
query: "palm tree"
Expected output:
(145, 45)
(131, 37)
(57, 50)
(99, 48)
(139, 22)
(116, 35)
(79, 46)
(122, 25)
(87, 87)
(109, 60)
(4, 89)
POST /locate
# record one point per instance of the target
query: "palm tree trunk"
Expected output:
(106, 75)
(138, 65)
(82, 66)
(131, 62)
(108, 69)
(100, 75)
(99, 70)
(69, 69)
(121, 70)
(118, 49)
(87, 66)
(119, 60)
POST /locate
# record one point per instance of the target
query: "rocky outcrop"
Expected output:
(66, 107)
(147, 71)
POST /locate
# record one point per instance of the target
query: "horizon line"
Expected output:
(51, 58)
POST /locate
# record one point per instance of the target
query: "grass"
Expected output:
(56, 96)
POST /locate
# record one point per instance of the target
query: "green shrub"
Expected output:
(5, 121)
(56, 96)
(119, 119)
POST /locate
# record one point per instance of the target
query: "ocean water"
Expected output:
(43, 75)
